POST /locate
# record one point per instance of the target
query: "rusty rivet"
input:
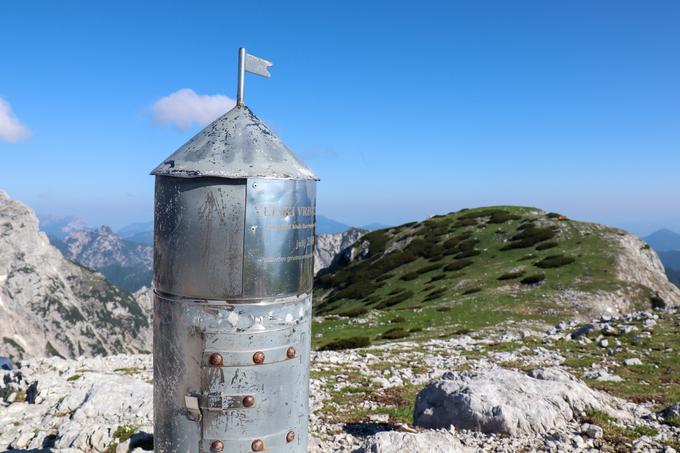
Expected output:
(217, 445)
(290, 353)
(216, 359)
(249, 401)
(258, 358)
(290, 437)
(257, 445)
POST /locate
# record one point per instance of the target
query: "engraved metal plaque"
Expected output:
(279, 237)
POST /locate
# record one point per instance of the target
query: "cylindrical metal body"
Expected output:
(233, 276)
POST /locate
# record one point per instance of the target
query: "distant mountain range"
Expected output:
(666, 244)
(53, 306)
(663, 240)
(124, 263)
(141, 233)
(60, 227)
(125, 257)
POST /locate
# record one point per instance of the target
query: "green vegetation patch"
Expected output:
(458, 265)
(395, 300)
(346, 343)
(432, 263)
(353, 312)
(547, 245)
(395, 333)
(533, 279)
(530, 236)
(554, 261)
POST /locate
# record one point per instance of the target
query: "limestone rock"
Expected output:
(329, 246)
(425, 442)
(505, 401)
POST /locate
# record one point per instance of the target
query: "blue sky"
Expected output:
(404, 109)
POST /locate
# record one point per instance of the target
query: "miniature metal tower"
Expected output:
(233, 275)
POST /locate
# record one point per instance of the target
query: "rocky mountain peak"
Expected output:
(51, 306)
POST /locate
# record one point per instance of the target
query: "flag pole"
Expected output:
(241, 76)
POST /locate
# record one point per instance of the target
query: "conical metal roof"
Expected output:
(236, 145)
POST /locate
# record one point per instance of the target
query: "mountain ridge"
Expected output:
(124, 263)
(52, 306)
(477, 267)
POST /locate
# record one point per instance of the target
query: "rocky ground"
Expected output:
(608, 385)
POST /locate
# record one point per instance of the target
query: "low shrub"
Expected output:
(465, 223)
(454, 241)
(353, 312)
(409, 276)
(547, 245)
(530, 236)
(358, 290)
(468, 254)
(396, 291)
(511, 275)
(425, 248)
(657, 302)
(435, 294)
(373, 298)
(384, 277)
(437, 277)
(346, 343)
(467, 245)
(443, 309)
(377, 242)
(395, 333)
(502, 217)
(394, 300)
(428, 268)
(397, 319)
(415, 329)
(471, 291)
(553, 261)
(458, 265)
(533, 279)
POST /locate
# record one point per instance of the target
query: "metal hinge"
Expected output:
(192, 405)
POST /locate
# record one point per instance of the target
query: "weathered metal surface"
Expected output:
(233, 275)
(279, 237)
(232, 314)
(236, 145)
(198, 237)
(188, 332)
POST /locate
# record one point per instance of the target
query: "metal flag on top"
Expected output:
(252, 64)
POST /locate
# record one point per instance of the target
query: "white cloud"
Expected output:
(184, 107)
(11, 129)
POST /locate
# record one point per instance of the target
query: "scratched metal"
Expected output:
(227, 281)
(236, 145)
(279, 237)
(187, 331)
(198, 237)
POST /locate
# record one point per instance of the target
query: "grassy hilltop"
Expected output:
(474, 268)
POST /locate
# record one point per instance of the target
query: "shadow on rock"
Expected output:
(35, 450)
(369, 428)
(141, 440)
